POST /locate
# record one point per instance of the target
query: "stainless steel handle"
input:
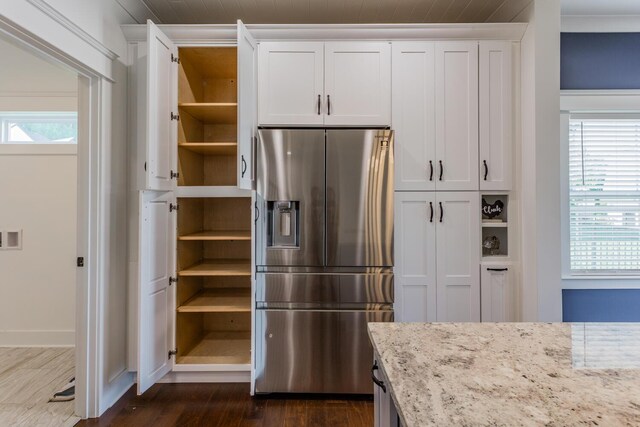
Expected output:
(441, 211)
(378, 382)
(431, 215)
(244, 165)
(328, 105)
(319, 104)
(441, 169)
(486, 169)
(430, 170)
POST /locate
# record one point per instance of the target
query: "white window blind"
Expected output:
(604, 194)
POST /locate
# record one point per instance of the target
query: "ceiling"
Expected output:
(324, 11)
(600, 7)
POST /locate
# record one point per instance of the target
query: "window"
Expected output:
(36, 127)
(604, 193)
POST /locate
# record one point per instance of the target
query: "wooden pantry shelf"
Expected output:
(219, 267)
(227, 235)
(221, 300)
(211, 148)
(211, 112)
(220, 348)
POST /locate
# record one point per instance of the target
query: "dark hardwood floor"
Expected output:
(231, 405)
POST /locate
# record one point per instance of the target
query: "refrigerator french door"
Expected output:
(324, 242)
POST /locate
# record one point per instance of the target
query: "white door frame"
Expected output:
(89, 235)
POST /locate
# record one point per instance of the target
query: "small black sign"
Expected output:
(492, 210)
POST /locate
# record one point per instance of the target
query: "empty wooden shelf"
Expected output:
(211, 112)
(220, 348)
(219, 267)
(226, 235)
(220, 300)
(211, 148)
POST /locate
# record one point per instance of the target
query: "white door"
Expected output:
(496, 115)
(415, 246)
(247, 105)
(413, 117)
(156, 296)
(498, 293)
(458, 256)
(357, 82)
(457, 115)
(291, 83)
(161, 101)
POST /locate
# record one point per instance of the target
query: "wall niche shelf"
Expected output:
(495, 226)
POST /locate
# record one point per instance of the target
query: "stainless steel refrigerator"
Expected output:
(324, 261)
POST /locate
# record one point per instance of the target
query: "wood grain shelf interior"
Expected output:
(220, 348)
(211, 148)
(236, 300)
(219, 267)
(211, 112)
(225, 235)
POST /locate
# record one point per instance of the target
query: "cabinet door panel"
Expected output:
(498, 294)
(358, 83)
(160, 102)
(247, 105)
(291, 83)
(413, 118)
(415, 271)
(496, 106)
(156, 299)
(458, 256)
(457, 115)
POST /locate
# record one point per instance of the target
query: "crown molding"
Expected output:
(207, 34)
(54, 14)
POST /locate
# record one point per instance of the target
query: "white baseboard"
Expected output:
(37, 338)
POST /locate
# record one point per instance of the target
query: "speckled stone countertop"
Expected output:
(501, 374)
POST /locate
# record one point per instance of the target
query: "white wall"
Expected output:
(540, 217)
(86, 33)
(37, 290)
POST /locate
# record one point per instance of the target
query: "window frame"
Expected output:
(600, 102)
(34, 116)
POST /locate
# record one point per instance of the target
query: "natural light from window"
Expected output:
(39, 127)
(604, 194)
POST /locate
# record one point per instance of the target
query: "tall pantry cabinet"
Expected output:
(196, 111)
(452, 112)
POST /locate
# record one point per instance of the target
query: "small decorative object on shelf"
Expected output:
(491, 246)
(492, 212)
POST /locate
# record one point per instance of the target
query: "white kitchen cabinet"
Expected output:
(291, 83)
(415, 255)
(413, 117)
(357, 83)
(315, 83)
(456, 110)
(498, 293)
(384, 410)
(496, 115)
(438, 256)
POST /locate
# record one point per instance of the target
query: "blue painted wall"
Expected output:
(601, 305)
(600, 61)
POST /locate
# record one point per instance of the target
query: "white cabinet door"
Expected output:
(156, 296)
(496, 115)
(498, 294)
(291, 83)
(457, 115)
(413, 117)
(384, 410)
(160, 104)
(415, 255)
(357, 83)
(458, 256)
(247, 105)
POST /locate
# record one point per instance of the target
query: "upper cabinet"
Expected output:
(315, 84)
(496, 115)
(456, 112)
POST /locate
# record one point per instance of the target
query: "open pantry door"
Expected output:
(247, 105)
(156, 294)
(160, 101)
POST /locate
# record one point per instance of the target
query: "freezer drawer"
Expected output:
(305, 351)
(325, 288)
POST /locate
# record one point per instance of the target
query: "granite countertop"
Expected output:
(506, 374)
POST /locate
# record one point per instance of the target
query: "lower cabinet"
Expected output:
(437, 256)
(498, 292)
(385, 414)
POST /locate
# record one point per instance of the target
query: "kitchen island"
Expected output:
(506, 374)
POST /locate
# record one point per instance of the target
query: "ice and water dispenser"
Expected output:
(282, 225)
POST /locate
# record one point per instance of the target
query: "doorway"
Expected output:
(38, 237)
